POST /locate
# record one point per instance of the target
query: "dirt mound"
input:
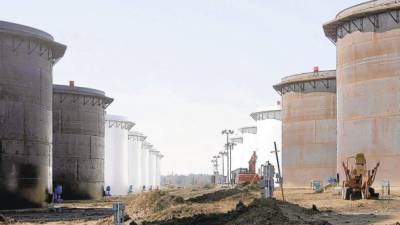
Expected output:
(260, 211)
(166, 201)
(214, 196)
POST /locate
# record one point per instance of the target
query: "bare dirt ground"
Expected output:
(216, 206)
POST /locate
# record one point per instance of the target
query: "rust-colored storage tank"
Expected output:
(368, 84)
(308, 127)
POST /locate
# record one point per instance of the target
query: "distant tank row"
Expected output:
(60, 135)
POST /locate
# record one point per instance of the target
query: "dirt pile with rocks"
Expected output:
(215, 196)
(260, 211)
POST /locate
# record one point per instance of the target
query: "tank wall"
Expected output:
(368, 66)
(145, 167)
(152, 170)
(25, 123)
(308, 137)
(78, 146)
(134, 163)
(268, 132)
(158, 172)
(238, 160)
(242, 153)
(116, 159)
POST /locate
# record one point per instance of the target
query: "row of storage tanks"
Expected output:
(329, 116)
(59, 135)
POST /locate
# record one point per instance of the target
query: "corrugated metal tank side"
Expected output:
(78, 141)
(308, 128)
(368, 82)
(27, 57)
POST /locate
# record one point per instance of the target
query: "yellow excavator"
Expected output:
(359, 179)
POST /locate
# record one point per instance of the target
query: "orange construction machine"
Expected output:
(359, 179)
(251, 176)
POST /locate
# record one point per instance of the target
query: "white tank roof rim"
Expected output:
(137, 134)
(121, 119)
(249, 129)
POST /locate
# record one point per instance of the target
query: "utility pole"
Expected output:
(228, 132)
(222, 153)
(279, 170)
(231, 145)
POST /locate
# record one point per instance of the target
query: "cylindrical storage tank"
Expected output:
(158, 170)
(78, 140)
(249, 145)
(269, 130)
(116, 154)
(135, 143)
(146, 147)
(26, 65)
(238, 153)
(367, 37)
(152, 168)
(308, 127)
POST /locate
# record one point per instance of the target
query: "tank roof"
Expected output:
(306, 77)
(309, 76)
(249, 129)
(147, 144)
(119, 118)
(122, 119)
(358, 11)
(272, 108)
(154, 150)
(65, 89)
(136, 134)
(30, 32)
(268, 109)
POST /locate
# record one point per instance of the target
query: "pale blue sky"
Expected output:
(184, 70)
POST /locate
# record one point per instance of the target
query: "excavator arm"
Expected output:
(373, 175)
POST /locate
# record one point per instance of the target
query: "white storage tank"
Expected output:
(145, 181)
(135, 143)
(238, 153)
(116, 154)
(269, 130)
(249, 145)
(152, 168)
(158, 170)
